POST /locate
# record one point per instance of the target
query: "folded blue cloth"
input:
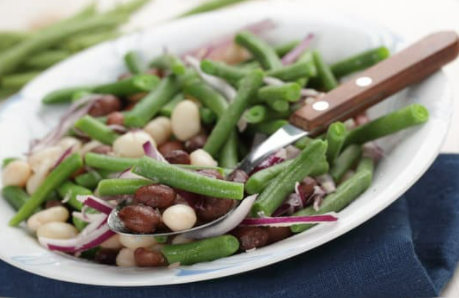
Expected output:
(409, 250)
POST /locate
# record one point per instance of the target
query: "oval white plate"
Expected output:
(23, 118)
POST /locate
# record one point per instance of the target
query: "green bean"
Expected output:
(336, 135)
(259, 49)
(230, 73)
(86, 40)
(129, 7)
(406, 117)
(80, 224)
(228, 121)
(261, 179)
(46, 59)
(15, 196)
(207, 116)
(64, 95)
(366, 164)
(169, 62)
(60, 174)
(129, 86)
(186, 180)
(91, 179)
(269, 127)
(345, 161)
(359, 62)
(71, 190)
(201, 251)
(11, 58)
(222, 171)
(89, 254)
(228, 157)
(324, 72)
(167, 109)
(303, 82)
(303, 142)
(295, 71)
(109, 163)
(209, 6)
(347, 192)
(285, 48)
(134, 62)
(151, 104)
(11, 38)
(81, 94)
(288, 92)
(114, 187)
(96, 130)
(207, 96)
(7, 161)
(261, 113)
(18, 80)
(275, 193)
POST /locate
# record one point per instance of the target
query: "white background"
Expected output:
(411, 19)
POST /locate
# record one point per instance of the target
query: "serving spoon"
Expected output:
(364, 90)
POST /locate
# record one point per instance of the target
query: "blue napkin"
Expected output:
(409, 250)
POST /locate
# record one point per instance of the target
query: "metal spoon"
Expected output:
(407, 67)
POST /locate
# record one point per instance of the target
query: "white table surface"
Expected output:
(411, 19)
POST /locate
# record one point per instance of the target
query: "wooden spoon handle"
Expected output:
(380, 81)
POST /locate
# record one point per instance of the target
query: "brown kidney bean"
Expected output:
(212, 208)
(251, 237)
(238, 176)
(148, 258)
(105, 105)
(103, 149)
(154, 72)
(196, 142)
(177, 157)
(307, 186)
(140, 218)
(210, 173)
(53, 203)
(115, 118)
(137, 97)
(278, 233)
(170, 146)
(106, 256)
(155, 195)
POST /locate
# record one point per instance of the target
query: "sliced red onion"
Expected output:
(231, 221)
(270, 161)
(294, 54)
(117, 128)
(75, 112)
(216, 83)
(289, 221)
(309, 92)
(361, 119)
(291, 204)
(207, 50)
(350, 124)
(95, 203)
(273, 81)
(373, 151)
(327, 183)
(62, 157)
(291, 152)
(317, 202)
(318, 197)
(152, 152)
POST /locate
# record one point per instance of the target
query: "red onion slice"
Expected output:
(294, 54)
(327, 183)
(269, 162)
(117, 128)
(152, 152)
(95, 203)
(289, 221)
(62, 157)
(231, 221)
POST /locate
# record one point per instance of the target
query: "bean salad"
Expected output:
(162, 143)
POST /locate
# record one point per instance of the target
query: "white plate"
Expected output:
(23, 118)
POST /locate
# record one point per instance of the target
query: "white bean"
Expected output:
(45, 159)
(125, 258)
(54, 214)
(200, 157)
(180, 239)
(36, 179)
(68, 142)
(130, 144)
(134, 242)
(16, 173)
(57, 230)
(185, 119)
(112, 242)
(89, 146)
(179, 217)
(160, 129)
